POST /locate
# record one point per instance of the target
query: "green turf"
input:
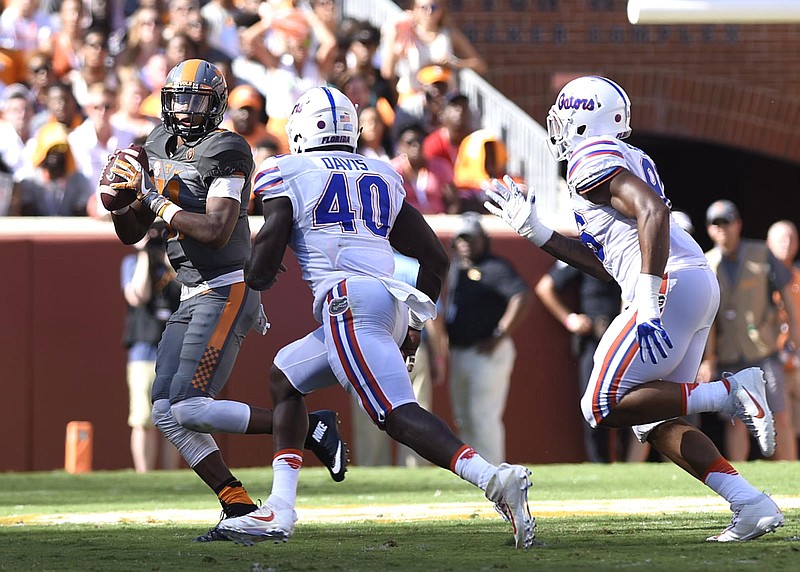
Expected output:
(575, 542)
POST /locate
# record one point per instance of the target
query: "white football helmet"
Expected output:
(587, 107)
(321, 117)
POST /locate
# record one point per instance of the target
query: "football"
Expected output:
(114, 199)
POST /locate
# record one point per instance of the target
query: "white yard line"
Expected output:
(396, 513)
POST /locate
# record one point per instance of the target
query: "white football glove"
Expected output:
(519, 212)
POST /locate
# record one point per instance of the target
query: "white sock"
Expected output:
(702, 397)
(471, 467)
(286, 465)
(724, 480)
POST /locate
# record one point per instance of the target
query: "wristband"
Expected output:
(539, 234)
(414, 321)
(169, 212)
(647, 289)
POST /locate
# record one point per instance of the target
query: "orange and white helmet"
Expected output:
(195, 88)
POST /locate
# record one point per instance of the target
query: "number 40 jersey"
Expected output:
(344, 207)
(613, 237)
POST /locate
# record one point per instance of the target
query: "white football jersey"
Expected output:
(613, 237)
(344, 207)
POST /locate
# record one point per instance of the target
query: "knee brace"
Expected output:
(207, 415)
(193, 447)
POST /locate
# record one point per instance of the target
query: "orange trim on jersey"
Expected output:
(612, 351)
(720, 465)
(189, 72)
(228, 316)
(610, 176)
(174, 191)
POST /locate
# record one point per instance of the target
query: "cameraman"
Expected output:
(152, 295)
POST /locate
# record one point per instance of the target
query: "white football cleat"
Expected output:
(749, 403)
(267, 523)
(508, 490)
(751, 520)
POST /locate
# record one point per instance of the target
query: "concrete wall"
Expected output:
(62, 360)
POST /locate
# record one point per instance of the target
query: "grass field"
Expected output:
(611, 517)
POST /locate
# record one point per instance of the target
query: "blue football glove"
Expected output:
(650, 334)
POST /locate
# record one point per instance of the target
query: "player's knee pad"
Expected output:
(206, 415)
(193, 447)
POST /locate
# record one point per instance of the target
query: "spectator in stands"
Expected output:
(482, 156)
(456, 119)
(247, 115)
(178, 48)
(360, 58)
(220, 16)
(144, 39)
(16, 110)
(61, 107)
(96, 66)
(129, 115)
(97, 138)
(374, 140)
(745, 331)
(598, 302)
(437, 82)
(152, 294)
(67, 41)
(39, 77)
(782, 240)
(263, 149)
(178, 16)
(24, 27)
(421, 37)
(197, 29)
(51, 185)
(428, 181)
(288, 73)
(485, 300)
(154, 75)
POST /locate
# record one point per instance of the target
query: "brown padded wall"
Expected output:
(62, 357)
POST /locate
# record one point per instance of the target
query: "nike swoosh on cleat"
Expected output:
(269, 518)
(760, 414)
(337, 459)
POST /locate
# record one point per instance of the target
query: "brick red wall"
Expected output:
(732, 85)
(60, 346)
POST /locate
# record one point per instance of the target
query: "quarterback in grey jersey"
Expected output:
(198, 181)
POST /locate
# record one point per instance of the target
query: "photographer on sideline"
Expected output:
(152, 294)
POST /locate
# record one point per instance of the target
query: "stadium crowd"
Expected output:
(80, 78)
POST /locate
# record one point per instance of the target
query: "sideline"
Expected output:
(401, 513)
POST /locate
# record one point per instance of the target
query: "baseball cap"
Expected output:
(431, 74)
(245, 96)
(722, 210)
(470, 225)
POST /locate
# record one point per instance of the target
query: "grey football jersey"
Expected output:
(185, 177)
